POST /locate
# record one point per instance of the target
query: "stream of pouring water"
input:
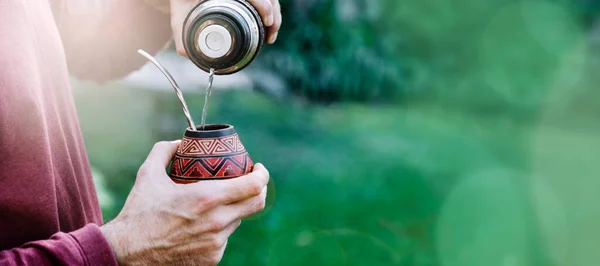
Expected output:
(207, 98)
(180, 94)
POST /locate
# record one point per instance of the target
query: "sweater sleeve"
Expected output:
(101, 37)
(86, 246)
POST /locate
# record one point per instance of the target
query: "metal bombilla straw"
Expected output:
(186, 111)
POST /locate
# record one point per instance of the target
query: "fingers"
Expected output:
(265, 10)
(220, 192)
(179, 11)
(244, 187)
(162, 153)
(273, 30)
(228, 214)
(246, 208)
(218, 242)
(229, 230)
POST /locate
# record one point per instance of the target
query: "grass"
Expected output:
(367, 185)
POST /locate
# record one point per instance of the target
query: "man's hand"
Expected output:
(269, 10)
(164, 223)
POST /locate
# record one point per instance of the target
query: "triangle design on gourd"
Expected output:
(176, 167)
(194, 170)
(220, 148)
(229, 142)
(239, 160)
(184, 162)
(207, 145)
(212, 163)
(213, 169)
(239, 145)
(188, 166)
(184, 145)
(194, 147)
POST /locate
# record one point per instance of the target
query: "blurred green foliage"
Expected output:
(486, 55)
(331, 51)
(484, 153)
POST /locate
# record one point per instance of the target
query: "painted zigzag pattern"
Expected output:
(215, 146)
(215, 158)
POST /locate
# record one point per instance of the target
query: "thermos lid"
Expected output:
(223, 34)
(215, 41)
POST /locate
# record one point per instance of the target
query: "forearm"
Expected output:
(86, 246)
(101, 37)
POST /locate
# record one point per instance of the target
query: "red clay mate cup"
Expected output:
(210, 154)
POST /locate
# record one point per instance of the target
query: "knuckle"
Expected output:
(277, 7)
(201, 207)
(255, 188)
(217, 225)
(269, 9)
(207, 201)
(260, 205)
(267, 5)
(160, 145)
(266, 172)
(217, 242)
(143, 171)
(262, 172)
(212, 244)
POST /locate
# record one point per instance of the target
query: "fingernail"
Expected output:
(273, 38)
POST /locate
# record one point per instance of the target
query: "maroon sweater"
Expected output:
(49, 213)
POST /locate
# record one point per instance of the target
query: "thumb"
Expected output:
(162, 153)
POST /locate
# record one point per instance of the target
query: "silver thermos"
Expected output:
(225, 35)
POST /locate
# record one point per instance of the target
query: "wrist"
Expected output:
(163, 6)
(113, 235)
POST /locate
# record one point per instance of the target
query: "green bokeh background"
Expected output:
(414, 132)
